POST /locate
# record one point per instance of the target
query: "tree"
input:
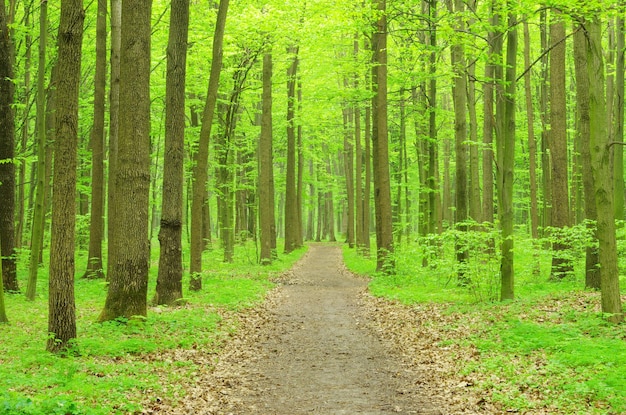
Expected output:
(96, 226)
(129, 249)
(602, 175)
(61, 303)
(169, 281)
(561, 266)
(532, 143)
(292, 228)
(38, 222)
(380, 143)
(200, 167)
(506, 154)
(459, 92)
(7, 155)
(619, 115)
(592, 271)
(266, 170)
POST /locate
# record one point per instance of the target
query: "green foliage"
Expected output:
(117, 363)
(550, 348)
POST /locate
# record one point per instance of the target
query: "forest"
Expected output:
(164, 163)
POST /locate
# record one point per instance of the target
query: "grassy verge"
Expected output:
(549, 351)
(119, 361)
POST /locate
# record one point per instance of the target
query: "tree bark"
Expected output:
(129, 252)
(291, 205)
(201, 157)
(169, 287)
(507, 166)
(561, 265)
(380, 145)
(7, 155)
(618, 136)
(61, 302)
(602, 171)
(266, 195)
(532, 143)
(474, 200)
(96, 226)
(592, 270)
(348, 161)
(3, 313)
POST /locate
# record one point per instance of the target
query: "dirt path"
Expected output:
(312, 352)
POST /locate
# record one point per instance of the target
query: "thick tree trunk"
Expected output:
(129, 252)
(266, 196)
(61, 303)
(96, 226)
(592, 270)
(169, 287)
(7, 152)
(561, 265)
(291, 204)
(202, 154)
(602, 176)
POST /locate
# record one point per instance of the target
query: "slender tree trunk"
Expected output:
(507, 147)
(561, 266)
(367, 188)
(618, 150)
(358, 148)
(380, 145)
(434, 198)
(96, 226)
(546, 169)
(38, 220)
(592, 270)
(266, 196)
(300, 168)
(532, 144)
(202, 154)
(129, 252)
(460, 136)
(61, 303)
(3, 313)
(169, 287)
(348, 160)
(7, 152)
(602, 176)
(474, 159)
(291, 205)
(114, 113)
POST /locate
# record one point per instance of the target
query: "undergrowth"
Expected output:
(116, 364)
(549, 350)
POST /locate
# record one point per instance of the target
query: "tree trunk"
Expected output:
(300, 167)
(505, 184)
(546, 169)
(96, 226)
(592, 270)
(114, 113)
(3, 313)
(266, 196)
(358, 148)
(291, 205)
(602, 176)
(380, 145)
(618, 136)
(202, 154)
(532, 144)
(459, 89)
(348, 160)
(129, 253)
(38, 221)
(169, 288)
(434, 198)
(474, 160)
(61, 303)
(7, 152)
(561, 265)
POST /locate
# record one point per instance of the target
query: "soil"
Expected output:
(319, 344)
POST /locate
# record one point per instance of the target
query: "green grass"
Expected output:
(550, 348)
(119, 363)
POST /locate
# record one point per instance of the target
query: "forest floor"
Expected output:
(320, 344)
